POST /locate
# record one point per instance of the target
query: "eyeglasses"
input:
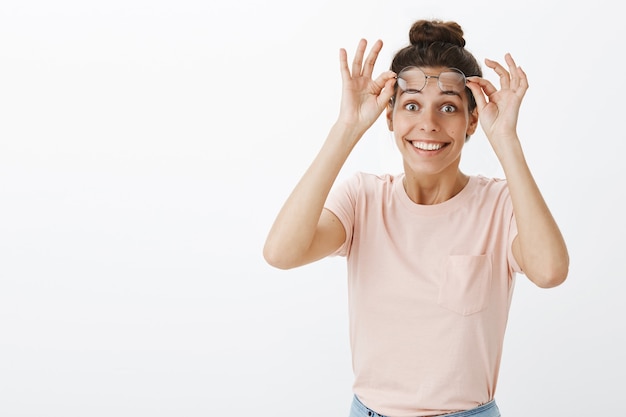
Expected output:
(412, 80)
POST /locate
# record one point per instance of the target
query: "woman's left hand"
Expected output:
(498, 110)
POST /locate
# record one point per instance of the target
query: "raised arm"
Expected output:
(539, 247)
(303, 231)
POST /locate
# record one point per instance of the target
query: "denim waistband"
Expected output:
(489, 409)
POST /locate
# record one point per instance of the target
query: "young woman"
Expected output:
(432, 252)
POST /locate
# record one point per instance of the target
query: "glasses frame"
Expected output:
(426, 77)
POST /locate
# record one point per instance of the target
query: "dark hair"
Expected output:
(435, 43)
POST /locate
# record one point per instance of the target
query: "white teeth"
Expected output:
(427, 146)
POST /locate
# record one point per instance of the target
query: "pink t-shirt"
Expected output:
(429, 291)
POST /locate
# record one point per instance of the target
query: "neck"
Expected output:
(427, 190)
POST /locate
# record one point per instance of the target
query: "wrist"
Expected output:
(348, 132)
(508, 149)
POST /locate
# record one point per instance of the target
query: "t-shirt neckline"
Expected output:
(447, 206)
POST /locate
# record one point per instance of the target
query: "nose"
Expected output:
(428, 121)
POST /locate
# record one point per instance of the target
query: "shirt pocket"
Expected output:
(466, 284)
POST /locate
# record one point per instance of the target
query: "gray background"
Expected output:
(146, 146)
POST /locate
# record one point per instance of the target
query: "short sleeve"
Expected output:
(512, 234)
(341, 202)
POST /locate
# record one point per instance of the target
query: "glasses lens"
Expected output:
(411, 80)
(452, 81)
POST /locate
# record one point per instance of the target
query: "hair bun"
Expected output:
(424, 32)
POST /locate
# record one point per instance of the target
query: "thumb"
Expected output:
(387, 81)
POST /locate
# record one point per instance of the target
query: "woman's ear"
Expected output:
(473, 123)
(389, 116)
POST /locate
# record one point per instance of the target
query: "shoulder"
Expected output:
(492, 195)
(360, 187)
(368, 181)
(490, 185)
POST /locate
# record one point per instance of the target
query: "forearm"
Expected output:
(293, 231)
(541, 248)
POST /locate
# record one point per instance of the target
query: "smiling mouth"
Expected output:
(428, 146)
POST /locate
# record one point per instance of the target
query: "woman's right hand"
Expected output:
(303, 231)
(363, 99)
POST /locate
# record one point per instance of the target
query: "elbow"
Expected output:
(549, 282)
(551, 277)
(276, 258)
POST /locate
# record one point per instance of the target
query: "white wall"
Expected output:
(146, 146)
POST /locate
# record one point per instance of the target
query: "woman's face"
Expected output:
(430, 121)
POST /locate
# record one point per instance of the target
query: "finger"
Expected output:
(519, 81)
(357, 63)
(370, 61)
(478, 92)
(384, 83)
(513, 70)
(343, 65)
(505, 80)
(510, 61)
(523, 79)
(486, 86)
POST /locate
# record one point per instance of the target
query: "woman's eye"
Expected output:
(411, 107)
(448, 108)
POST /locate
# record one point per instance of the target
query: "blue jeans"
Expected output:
(489, 409)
